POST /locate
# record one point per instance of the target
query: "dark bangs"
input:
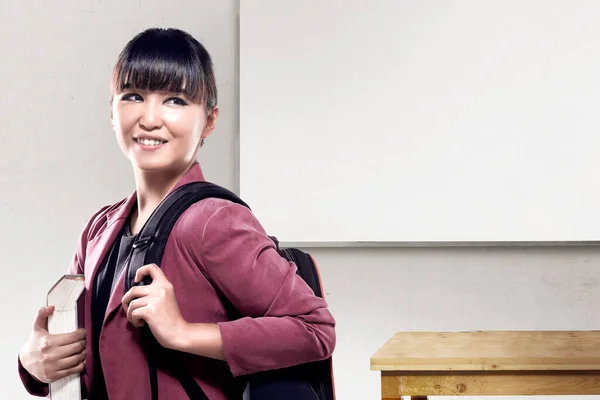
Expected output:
(167, 60)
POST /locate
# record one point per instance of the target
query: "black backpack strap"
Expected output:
(152, 238)
(149, 248)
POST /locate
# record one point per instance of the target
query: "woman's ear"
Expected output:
(211, 121)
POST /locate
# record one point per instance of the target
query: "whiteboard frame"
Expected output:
(438, 244)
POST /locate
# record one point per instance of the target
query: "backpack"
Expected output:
(310, 381)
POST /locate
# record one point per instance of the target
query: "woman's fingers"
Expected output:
(76, 369)
(135, 313)
(151, 270)
(63, 359)
(41, 320)
(70, 349)
(133, 293)
(51, 342)
(138, 317)
(70, 361)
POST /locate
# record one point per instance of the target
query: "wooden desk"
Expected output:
(489, 363)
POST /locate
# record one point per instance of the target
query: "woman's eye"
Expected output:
(132, 97)
(177, 101)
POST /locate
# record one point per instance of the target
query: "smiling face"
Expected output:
(164, 99)
(159, 130)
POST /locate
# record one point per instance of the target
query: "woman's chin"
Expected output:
(152, 165)
(158, 164)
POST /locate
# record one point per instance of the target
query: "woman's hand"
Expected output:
(155, 305)
(49, 358)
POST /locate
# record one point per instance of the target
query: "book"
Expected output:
(63, 295)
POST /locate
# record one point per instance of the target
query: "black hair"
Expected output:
(167, 59)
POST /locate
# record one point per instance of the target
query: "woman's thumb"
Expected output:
(41, 321)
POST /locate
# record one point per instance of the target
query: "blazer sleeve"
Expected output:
(284, 323)
(76, 266)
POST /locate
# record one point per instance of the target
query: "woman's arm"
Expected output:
(284, 322)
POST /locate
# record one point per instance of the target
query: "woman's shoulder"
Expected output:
(214, 215)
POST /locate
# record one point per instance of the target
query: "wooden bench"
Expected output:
(495, 363)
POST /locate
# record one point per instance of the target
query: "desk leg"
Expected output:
(390, 386)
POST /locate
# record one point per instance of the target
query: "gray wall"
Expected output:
(59, 162)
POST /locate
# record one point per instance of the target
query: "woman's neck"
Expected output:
(151, 189)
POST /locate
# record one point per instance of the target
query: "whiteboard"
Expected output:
(421, 120)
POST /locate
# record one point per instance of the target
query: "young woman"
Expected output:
(164, 104)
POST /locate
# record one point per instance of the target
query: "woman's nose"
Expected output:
(151, 118)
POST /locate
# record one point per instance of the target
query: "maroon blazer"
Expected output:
(215, 247)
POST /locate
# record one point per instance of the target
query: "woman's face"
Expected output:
(159, 131)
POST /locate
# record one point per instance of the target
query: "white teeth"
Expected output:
(149, 142)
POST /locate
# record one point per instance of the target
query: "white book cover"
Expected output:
(63, 296)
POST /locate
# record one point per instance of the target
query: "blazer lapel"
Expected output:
(114, 302)
(97, 248)
(115, 298)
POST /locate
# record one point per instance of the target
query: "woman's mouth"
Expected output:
(149, 142)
